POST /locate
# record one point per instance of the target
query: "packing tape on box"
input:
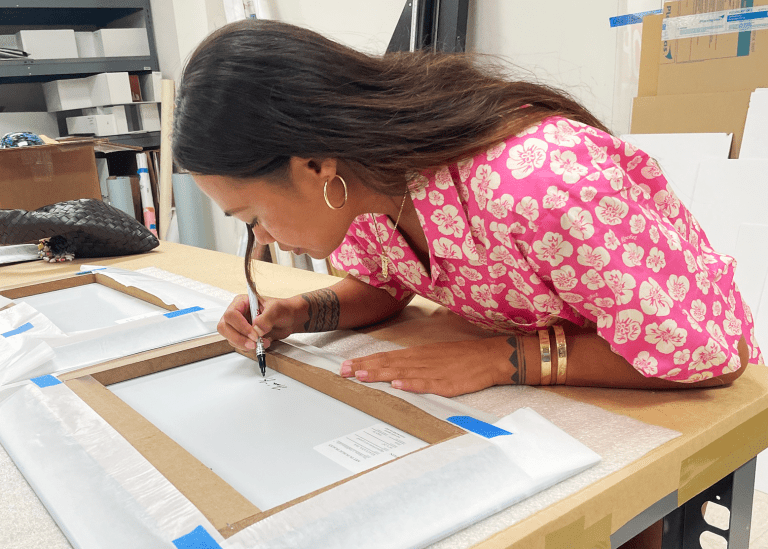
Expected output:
(631, 18)
(576, 536)
(717, 22)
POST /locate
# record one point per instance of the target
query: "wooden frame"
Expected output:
(220, 503)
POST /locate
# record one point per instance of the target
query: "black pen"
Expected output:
(262, 356)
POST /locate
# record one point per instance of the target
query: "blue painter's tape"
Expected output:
(478, 427)
(20, 330)
(143, 170)
(747, 16)
(174, 314)
(198, 538)
(45, 381)
(89, 272)
(631, 18)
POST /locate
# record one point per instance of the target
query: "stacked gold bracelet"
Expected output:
(547, 376)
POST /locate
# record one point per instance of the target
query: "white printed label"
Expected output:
(370, 447)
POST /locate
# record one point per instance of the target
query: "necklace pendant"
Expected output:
(384, 265)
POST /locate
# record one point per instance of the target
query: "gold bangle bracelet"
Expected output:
(562, 354)
(546, 358)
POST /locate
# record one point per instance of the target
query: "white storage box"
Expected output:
(86, 44)
(112, 88)
(118, 111)
(151, 86)
(121, 43)
(149, 117)
(48, 44)
(98, 125)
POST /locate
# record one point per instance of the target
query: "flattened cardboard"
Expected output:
(38, 176)
(696, 113)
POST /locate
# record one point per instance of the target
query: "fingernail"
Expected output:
(346, 370)
(250, 345)
(362, 375)
(397, 384)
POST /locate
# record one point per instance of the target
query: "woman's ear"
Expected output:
(323, 169)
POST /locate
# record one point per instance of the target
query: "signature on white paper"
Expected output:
(272, 383)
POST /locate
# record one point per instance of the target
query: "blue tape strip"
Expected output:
(744, 43)
(174, 314)
(45, 381)
(478, 427)
(20, 330)
(631, 18)
(198, 538)
(88, 272)
(747, 16)
(143, 170)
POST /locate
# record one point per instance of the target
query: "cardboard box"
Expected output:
(48, 44)
(86, 44)
(79, 93)
(149, 116)
(121, 42)
(695, 113)
(98, 125)
(707, 64)
(34, 177)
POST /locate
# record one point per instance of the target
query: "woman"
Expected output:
(506, 202)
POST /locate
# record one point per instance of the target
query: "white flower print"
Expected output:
(673, 239)
(465, 166)
(527, 131)
(629, 149)
(449, 221)
(636, 190)
(604, 302)
(525, 158)
(690, 261)
(615, 177)
(471, 314)
(500, 207)
(698, 376)
(680, 227)
(520, 283)
(633, 163)
(463, 192)
(347, 255)
(651, 169)
(667, 203)
(552, 248)
(496, 270)
(633, 255)
(611, 241)
(666, 336)
(587, 194)
(698, 310)
(478, 231)
(637, 224)
(484, 183)
(518, 301)
(732, 325)
(412, 271)
(593, 257)
(564, 278)
(460, 280)
(569, 297)
(621, 285)
(655, 260)
(555, 198)
(733, 365)
(529, 209)
(578, 222)
(653, 232)
(628, 326)
(443, 178)
(681, 357)
(715, 331)
(458, 292)
(445, 247)
(604, 320)
(717, 308)
(501, 233)
(653, 299)
(707, 356)
(443, 295)
(471, 252)
(702, 281)
(436, 198)
(482, 295)
(598, 154)
(470, 273)
(594, 176)
(611, 210)
(645, 364)
(565, 163)
(494, 152)
(678, 287)
(548, 303)
(592, 280)
(502, 253)
(561, 134)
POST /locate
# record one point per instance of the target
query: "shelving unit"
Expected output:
(80, 16)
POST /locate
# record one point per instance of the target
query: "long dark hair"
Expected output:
(257, 92)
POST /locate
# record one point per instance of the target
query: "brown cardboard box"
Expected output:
(707, 64)
(696, 113)
(33, 177)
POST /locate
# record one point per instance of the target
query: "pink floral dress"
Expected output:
(566, 222)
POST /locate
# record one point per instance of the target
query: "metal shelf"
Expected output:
(137, 139)
(31, 70)
(72, 4)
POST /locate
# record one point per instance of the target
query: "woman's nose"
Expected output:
(262, 236)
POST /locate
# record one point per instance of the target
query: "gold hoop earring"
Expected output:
(325, 192)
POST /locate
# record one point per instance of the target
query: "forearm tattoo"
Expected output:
(517, 359)
(323, 311)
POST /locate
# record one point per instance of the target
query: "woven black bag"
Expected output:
(86, 228)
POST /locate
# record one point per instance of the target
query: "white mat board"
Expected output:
(257, 434)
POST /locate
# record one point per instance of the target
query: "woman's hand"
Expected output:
(277, 320)
(446, 369)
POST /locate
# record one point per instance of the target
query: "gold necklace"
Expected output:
(383, 255)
